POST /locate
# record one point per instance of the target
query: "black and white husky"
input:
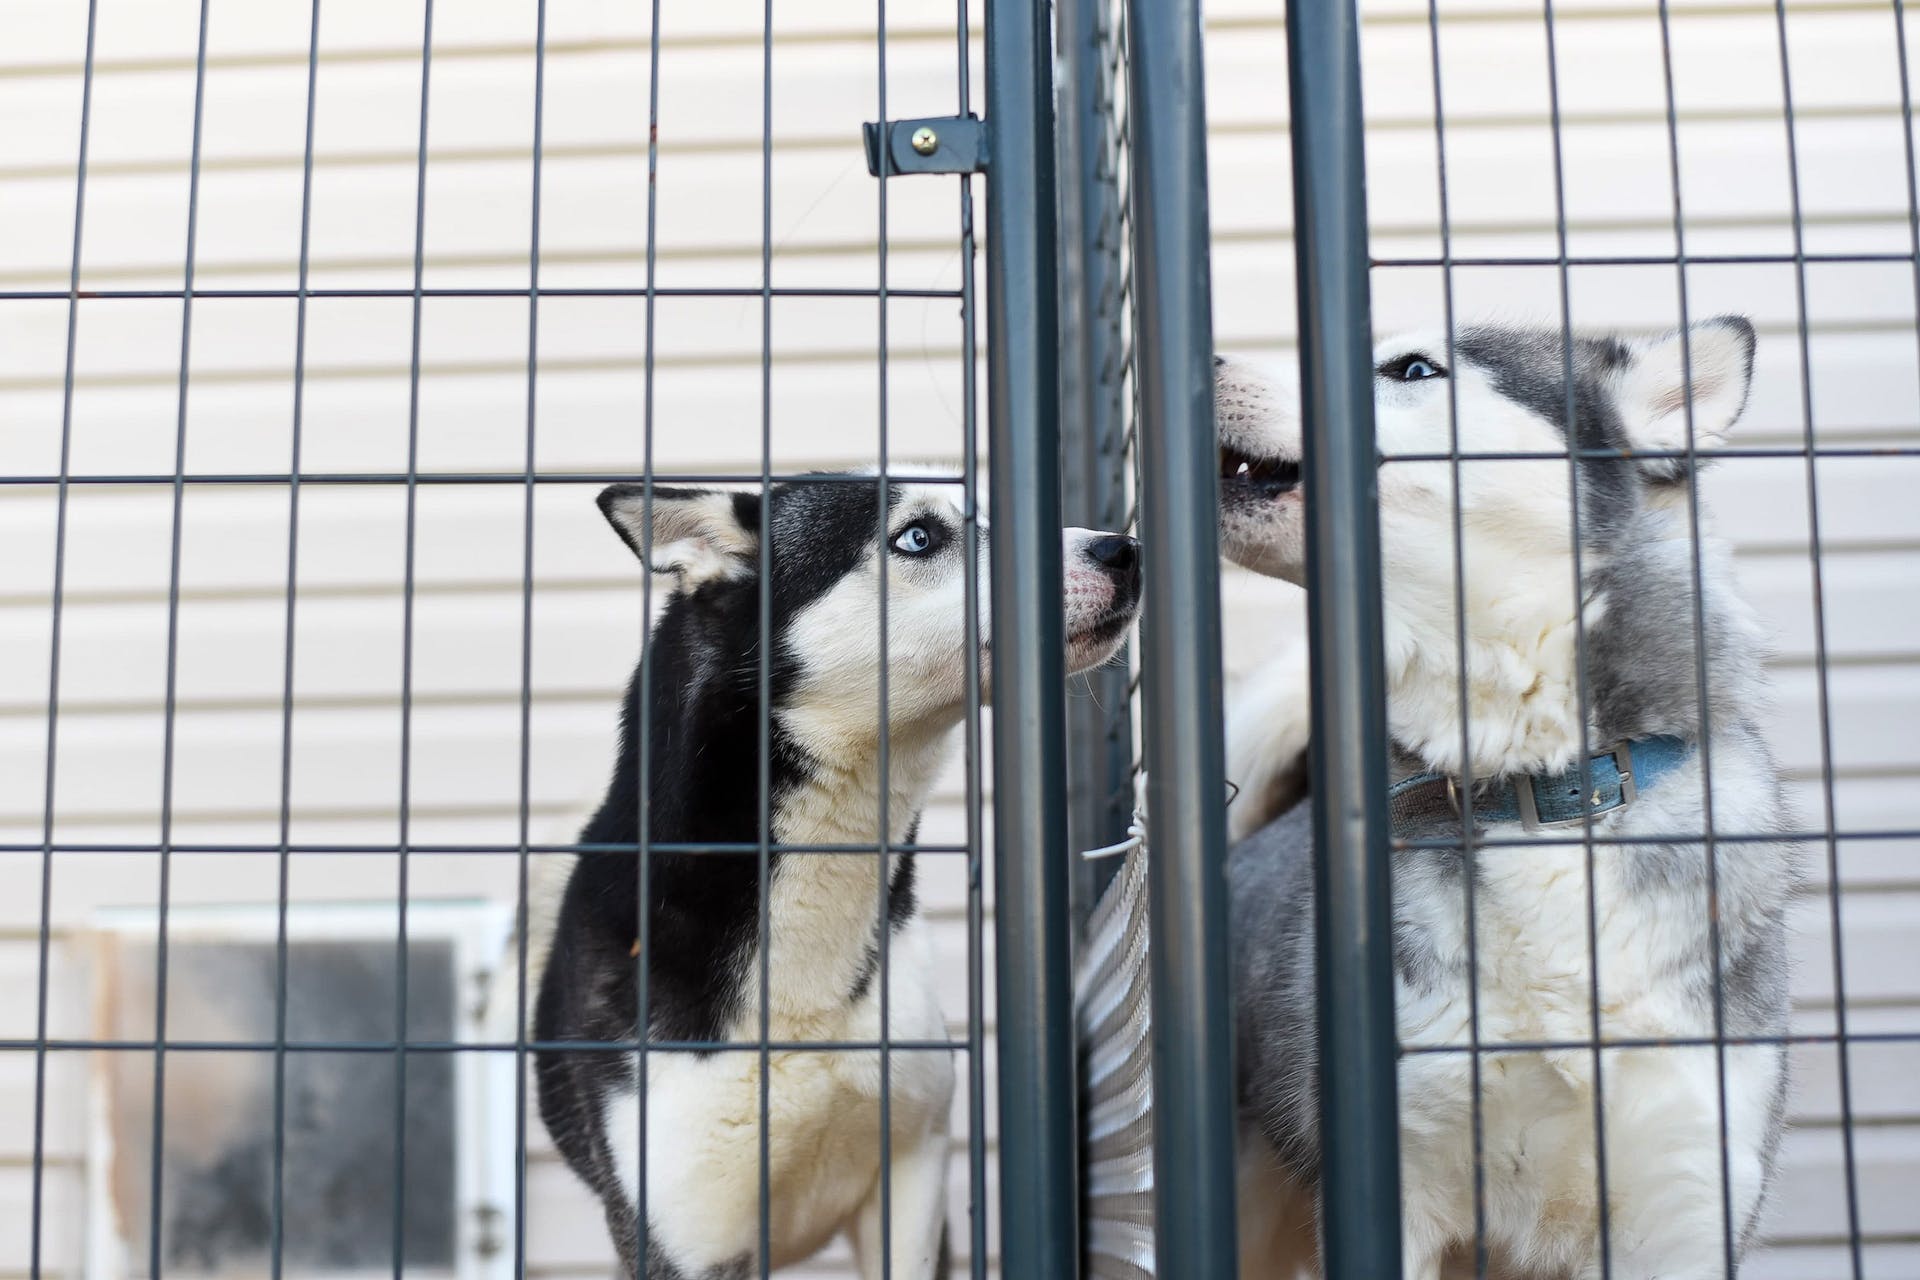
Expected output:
(829, 557)
(1655, 900)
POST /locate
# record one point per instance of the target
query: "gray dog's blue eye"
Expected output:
(1411, 367)
(914, 540)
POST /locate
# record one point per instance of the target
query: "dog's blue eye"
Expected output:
(914, 540)
(1412, 367)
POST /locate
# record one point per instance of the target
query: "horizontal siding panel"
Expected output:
(476, 826)
(371, 31)
(589, 412)
(590, 417)
(228, 762)
(587, 635)
(565, 1230)
(1501, 203)
(70, 1013)
(1810, 1198)
(367, 111)
(1868, 603)
(130, 882)
(52, 37)
(1869, 608)
(366, 231)
(1881, 953)
(135, 344)
(344, 762)
(1726, 64)
(1880, 1077)
(708, 104)
(1867, 709)
(1823, 1260)
(65, 1113)
(62, 1220)
(590, 407)
(468, 606)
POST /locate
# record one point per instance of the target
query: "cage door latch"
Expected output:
(944, 144)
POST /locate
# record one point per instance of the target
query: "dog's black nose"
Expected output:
(1118, 555)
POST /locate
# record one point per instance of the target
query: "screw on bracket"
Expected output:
(949, 144)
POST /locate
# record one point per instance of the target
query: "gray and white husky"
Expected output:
(1655, 898)
(834, 541)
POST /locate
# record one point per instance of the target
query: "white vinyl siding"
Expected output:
(588, 417)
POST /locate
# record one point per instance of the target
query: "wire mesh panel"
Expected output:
(1112, 986)
(324, 327)
(1153, 336)
(1627, 173)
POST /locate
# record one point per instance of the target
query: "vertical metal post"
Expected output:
(1038, 1159)
(1092, 428)
(1359, 1133)
(1193, 1081)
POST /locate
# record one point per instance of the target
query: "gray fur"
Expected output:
(1642, 679)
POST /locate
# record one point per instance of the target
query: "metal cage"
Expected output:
(319, 325)
(1447, 87)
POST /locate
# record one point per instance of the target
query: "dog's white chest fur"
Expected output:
(823, 1110)
(1536, 979)
(1516, 639)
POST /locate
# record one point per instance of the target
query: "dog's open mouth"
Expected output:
(1264, 477)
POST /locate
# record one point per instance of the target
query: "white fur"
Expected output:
(1537, 1109)
(1663, 1132)
(1706, 363)
(926, 633)
(823, 1107)
(1267, 735)
(823, 1135)
(695, 537)
(1521, 693)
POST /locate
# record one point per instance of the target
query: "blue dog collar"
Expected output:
(1538, 801)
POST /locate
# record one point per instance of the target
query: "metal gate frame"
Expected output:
(1359, 1047)
(1163, 203)
(1180, 629)
(1163, 211)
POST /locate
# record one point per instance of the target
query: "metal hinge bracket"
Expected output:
(944, 144)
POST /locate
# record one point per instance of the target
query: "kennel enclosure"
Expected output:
(323, 322)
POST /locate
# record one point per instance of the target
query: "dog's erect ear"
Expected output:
(1711, 360)
(698, 534)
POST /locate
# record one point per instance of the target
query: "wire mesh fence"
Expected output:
(328, 640)
(324, 324)
(1610, 170)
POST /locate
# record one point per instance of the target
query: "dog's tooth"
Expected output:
(1245, 467)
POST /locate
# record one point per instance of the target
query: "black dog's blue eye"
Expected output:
(914, 540)
(1411, 368)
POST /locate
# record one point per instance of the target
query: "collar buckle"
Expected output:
(1622, 753)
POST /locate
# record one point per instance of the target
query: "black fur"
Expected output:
(1530, 366)
(702, 727)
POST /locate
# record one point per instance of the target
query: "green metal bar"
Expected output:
(1092, 420)
(1038, 1157)
(1193, 1079)
(1359, 1131)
